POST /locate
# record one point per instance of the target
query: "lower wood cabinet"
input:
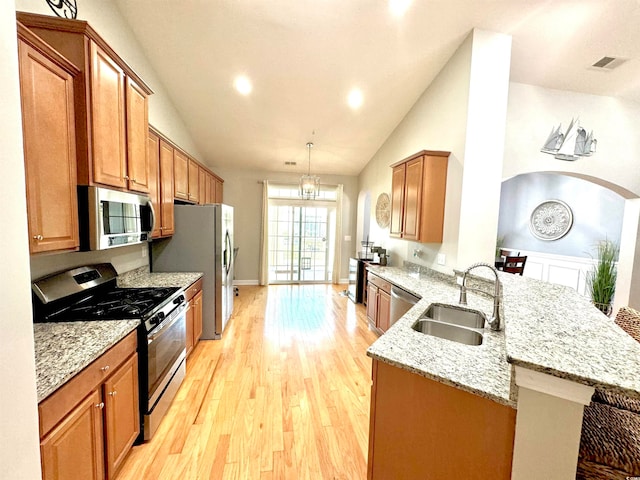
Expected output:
(378, 303)
(88, 426)
(194, 315)
(421, 428)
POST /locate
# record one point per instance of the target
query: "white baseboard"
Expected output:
(246, 282)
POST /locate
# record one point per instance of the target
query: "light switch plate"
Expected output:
(442, 259)
(347, 238)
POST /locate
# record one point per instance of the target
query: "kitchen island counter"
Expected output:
(547, 328)
(63, 349)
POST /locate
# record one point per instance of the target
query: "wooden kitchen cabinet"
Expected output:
(193, 295)
(92, 417)
(161, 184)
(180, 175)
(218, 190)
(418, 190)
(111, 105)
(378, 303)
(48, 123)
(194, 181)
(74, 449)
(203, 179)
(421, 428)
(121, 413)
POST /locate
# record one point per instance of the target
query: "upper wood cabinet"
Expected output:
(111, 105)
(203, 179)
(194, 181)
(48, 123)
(167, 223)
(418, 190)
(180, 176)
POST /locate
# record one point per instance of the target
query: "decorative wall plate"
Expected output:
(551, 220)
(383, 210)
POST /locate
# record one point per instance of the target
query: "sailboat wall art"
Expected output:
(570, 145)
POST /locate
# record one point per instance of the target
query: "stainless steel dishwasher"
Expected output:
(401, 302)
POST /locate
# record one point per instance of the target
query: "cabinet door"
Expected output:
(49, 152)
(153, 155)
(412, 199)
(434, 188)
(372, 303)
(194, 181)
(74, 449)
(384, 310)
(202, 186)
(397, 200)
(197, 318)
(218, 191)
(166, 189)
(137, 132)
(108, 120)
(189, 323)
(122, 417)
(180, 175)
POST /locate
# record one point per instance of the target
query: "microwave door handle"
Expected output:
(153, 216)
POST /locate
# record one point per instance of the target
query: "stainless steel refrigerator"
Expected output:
(202, 242)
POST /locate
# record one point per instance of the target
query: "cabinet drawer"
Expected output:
(194, 288)
(53, 409)
(379, 282)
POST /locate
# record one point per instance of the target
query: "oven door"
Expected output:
(166, 350)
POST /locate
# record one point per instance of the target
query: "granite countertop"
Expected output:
(63, 349)
(481, 370)
(548, 328)
(141, 278)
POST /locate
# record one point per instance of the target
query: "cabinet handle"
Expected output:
(113, 394)
(105, 368)
(38, 237)
(100, 405)
(126, 177)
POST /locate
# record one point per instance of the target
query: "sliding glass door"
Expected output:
(301, 239)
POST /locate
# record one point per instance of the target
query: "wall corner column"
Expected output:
(548, 426)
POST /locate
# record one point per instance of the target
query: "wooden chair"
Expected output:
(509, 253)
(610, 440)
(514, 265)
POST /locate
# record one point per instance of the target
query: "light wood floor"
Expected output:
(284, 395)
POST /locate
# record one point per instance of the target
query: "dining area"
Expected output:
(510, 261)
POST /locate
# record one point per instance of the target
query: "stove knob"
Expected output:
(179, 300)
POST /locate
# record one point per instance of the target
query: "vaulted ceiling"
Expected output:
(303, 57)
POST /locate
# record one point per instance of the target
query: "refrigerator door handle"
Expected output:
(227, 252)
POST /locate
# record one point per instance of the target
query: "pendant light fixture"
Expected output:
(309, 184)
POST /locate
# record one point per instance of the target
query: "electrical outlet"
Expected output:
(144, 251)
(442, 259)
(347, 238)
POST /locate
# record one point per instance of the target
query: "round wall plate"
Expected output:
(383, 210)
(551, 220)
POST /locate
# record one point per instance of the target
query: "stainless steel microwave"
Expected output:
(110, 218)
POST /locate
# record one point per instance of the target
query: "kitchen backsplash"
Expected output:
(123, 259)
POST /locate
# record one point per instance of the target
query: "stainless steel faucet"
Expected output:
(495, 323)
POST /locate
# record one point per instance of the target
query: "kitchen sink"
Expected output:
(454, 315)
(455, 333)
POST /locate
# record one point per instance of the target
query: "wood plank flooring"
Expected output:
(284, 395)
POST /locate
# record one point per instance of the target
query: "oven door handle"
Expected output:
(163, 327)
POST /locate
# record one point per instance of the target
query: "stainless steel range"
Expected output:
(90, 293)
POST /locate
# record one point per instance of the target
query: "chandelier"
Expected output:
(309, 184)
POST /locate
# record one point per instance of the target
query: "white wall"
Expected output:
(533, 111)
(19, 437)
(106, 19)
(463, 111)
(243, 191)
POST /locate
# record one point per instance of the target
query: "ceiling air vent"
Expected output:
(609, 63)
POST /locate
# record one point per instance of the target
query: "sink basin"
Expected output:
(447, 331)
(455, 315)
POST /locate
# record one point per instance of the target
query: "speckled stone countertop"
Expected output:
(140, 278)
(482, 369)
(64, 349)
(548, 328)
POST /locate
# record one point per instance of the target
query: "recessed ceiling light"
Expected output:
(399, 7)
(355, 98)
(243, 85)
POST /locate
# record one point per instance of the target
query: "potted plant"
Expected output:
(601, 279)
